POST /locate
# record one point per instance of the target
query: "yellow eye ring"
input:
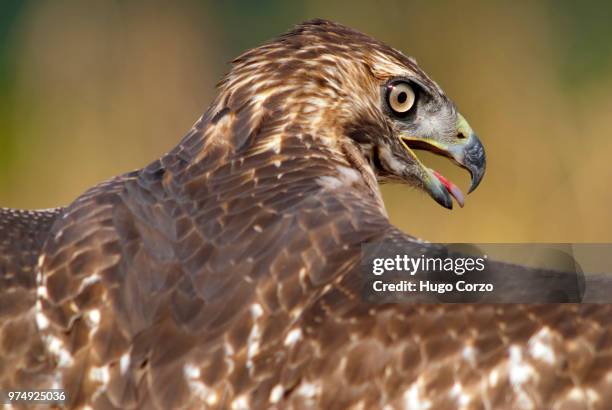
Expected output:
(400, 97)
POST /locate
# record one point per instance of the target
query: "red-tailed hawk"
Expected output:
(223, 275)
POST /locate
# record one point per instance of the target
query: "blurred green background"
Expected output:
(91, 89)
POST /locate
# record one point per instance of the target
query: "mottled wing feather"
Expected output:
(22, 357)
(177, 268)
(411, 356)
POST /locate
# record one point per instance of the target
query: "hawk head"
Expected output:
(351, 91)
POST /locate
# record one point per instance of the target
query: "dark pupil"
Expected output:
(401, 97)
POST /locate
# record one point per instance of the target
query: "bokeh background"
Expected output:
(91, 89)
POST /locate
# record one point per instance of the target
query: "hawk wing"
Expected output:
(22, 234)
(229, 281)
(179, 284)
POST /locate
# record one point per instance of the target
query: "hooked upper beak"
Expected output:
(465, 149)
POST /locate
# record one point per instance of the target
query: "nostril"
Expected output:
(461, 135)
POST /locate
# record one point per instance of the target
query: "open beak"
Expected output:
(465, 150)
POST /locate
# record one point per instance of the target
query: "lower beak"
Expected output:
(465, 150)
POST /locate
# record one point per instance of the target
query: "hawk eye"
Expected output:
(400, 97)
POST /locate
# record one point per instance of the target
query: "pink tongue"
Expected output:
(452, 188)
